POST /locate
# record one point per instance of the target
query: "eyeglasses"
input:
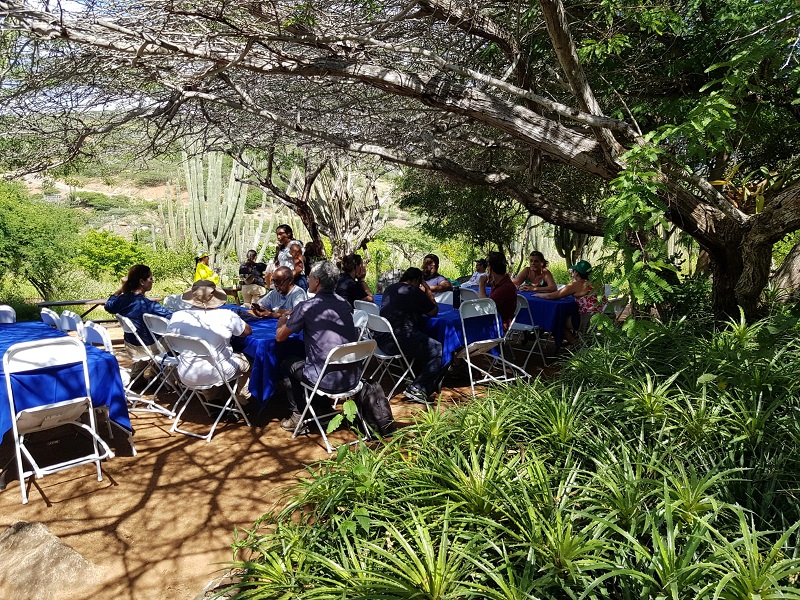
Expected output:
(279, 281)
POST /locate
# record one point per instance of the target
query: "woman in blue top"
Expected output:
(130, 301)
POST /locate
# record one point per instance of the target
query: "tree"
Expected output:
(36, 239)
(100, 252)
(665, 99)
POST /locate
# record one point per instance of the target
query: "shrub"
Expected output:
(100, 252)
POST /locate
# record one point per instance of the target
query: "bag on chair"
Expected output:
(375, 409)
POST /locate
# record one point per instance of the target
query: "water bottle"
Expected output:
(456, 295)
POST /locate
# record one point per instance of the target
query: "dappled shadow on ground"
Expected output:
(160, 524)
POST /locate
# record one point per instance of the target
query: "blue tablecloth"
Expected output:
(265, 353)
(106, 384)
(550, 315)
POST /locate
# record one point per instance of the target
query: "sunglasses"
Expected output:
(279, 281)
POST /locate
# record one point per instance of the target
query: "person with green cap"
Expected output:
(582, 290)
(202, 272)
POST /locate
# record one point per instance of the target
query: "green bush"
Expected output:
(101, 253)
(659, 466)
(100, 202)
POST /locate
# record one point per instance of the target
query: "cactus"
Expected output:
(569, 244)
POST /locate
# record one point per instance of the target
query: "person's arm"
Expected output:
(429, 293)
(523, 275)
(443, 286)
(247, 331)
(282, 333)
(297, 258)
(567, 290)
(368, 297)
(482, 281)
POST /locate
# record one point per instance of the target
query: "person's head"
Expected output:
(251, 255)
(430, 265)
(284, 234)
(204, 294)
(581, 270)
(352, 264)
(283, 280)
(497, 263)
(313, 248)
(323, 277)
(202, 256)
(480, 265)
(537, 261)
(140, 278)
(412, 275)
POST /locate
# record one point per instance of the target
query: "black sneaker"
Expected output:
(414, 394)
(290, 424)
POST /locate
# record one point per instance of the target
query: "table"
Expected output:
(550, 315)
(265, 353)
(92, 304)
(105, 381)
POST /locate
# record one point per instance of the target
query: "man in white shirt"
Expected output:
(216, 327)
(480, 269)
(281, 300)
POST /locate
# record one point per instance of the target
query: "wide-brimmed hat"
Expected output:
(201, 254)
(582, 266)
(204, 294)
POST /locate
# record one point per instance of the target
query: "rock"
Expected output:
(36, 564)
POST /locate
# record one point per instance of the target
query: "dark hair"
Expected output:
(540, 255)
(287, 229)
(351, 262)
(411, 274)
(481, 262)
(498, 263)
(581, 275)
(433, 257)
(135, 276)
(253, 252)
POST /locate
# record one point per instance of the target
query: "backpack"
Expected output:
(375, 409)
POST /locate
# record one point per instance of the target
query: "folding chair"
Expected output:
(368, 307)
(51, 317)
(97, 335)
(468, 294)
(485, 308)
(519, 330)
(159, 363)
(7, 314)
(396, 365)
(71, 321)
(361, 319)
(340, 356)
(192, 348)
(157, 326)
(58, 357)
(615, 303)
(444, 297)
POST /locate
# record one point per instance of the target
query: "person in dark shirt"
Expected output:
(351, 285)
(404, 304)
(129, 301)
(251, 274)
(504, 292)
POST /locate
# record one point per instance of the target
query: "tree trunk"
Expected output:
(787, 277)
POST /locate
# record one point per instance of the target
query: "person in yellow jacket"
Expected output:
(203, 271)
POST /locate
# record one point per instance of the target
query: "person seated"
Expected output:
(283, 299)
(403, 305)
(326, 321)
(351, 285)
(480, 269)
(504, 292)
(202, 271)
(205, 320)
(582, 290)
(437, 283)
(251, 274)
(129, 301)
(539, 278)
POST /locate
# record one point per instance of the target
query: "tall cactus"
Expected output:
(569, 244)
(215, 212)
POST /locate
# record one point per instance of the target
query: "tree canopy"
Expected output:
(690, 107)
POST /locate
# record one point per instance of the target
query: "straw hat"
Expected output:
(204, 294)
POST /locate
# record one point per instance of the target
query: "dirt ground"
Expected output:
(160, 524)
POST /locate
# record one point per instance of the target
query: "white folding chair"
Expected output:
(7, 314)
(18, 362)
(368, 307)
(50, 317)
(355, 353)
(195, 349)
(167, 363)
(97, 335)
(468, 294)
(485, 308)
(71, 321)
(444, 297)
(615, 303)
(159, 363)
(518, 331)
(360, 319)
(175, 302)
(394, 365)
